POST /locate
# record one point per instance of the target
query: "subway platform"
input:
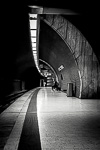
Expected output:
(43, 119)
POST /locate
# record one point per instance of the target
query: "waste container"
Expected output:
(41, 82)
(69, 89)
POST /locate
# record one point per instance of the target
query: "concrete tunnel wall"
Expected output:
(54, 51)
(85, 58)
(16, 53)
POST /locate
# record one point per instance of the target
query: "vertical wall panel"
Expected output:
(98, 79)
(63, 28)
(94, 76)
(69, 35)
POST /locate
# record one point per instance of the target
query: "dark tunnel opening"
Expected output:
(31, 77)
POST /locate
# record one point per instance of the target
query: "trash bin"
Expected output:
(41, 82)
(69, 89)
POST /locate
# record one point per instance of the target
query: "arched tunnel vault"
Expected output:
(52, 69)
(54, 51)
(82, 52)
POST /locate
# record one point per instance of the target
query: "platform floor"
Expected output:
(48, 120)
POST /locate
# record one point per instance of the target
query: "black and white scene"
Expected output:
(50, 75)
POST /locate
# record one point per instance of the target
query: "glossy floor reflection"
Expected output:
(67, 123)
(45, 120)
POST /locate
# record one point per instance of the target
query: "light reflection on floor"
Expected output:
(67, 123)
